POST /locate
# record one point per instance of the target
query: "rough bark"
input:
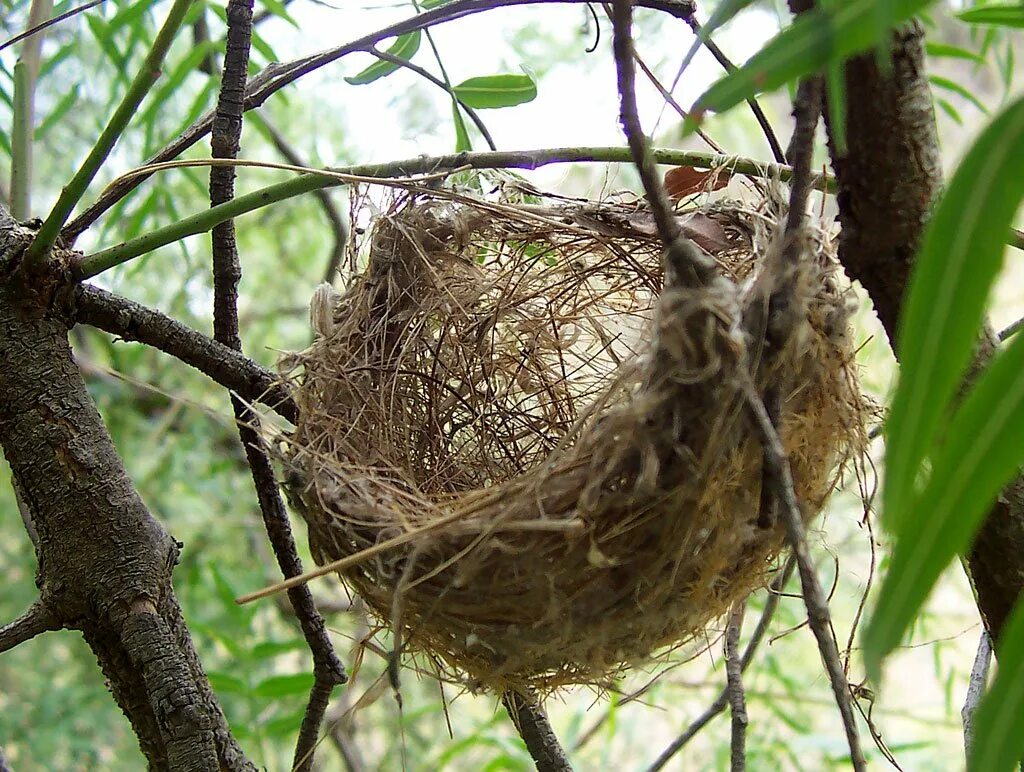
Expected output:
(104, 562)
(888, 180)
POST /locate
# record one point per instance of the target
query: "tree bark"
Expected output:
(104, 562)
(888, 179)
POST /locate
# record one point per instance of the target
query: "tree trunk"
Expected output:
(888, 180)
(104, 562)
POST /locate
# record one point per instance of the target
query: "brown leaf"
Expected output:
(683, 181)
(705, 232)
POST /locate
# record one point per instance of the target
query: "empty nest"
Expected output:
(531, 443)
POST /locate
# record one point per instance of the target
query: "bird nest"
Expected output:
(532, 445)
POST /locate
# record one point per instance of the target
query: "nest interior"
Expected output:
(531, 439)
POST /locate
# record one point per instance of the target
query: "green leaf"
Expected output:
(492, 91)
(1003, 15)
(405, 47)
(227, 684)
(948, 109)
(462, 141)
(268, 649)
(285, 726)
(999, 723)
(956, 88)
(59, 111)
(945, 51)
(982, 451)
(815, 38)
(724, 12)
(960, 256)
(280, 686)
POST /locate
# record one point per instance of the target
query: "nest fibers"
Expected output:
(536, 456)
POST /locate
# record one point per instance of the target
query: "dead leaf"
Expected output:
(683, 181)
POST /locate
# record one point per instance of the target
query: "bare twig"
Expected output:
(734, 689)
(337, 220)
(807, 109)
(720, 703)
(134, 322)
(34, 28)
(533, 727)
(427, 75)
(26, 627)
(817, 609)
(976, 689)
(278, 75)
(692, 267)
(227, 128)
(755, 108)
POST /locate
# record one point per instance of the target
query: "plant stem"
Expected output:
(72, 193)
(96, 263)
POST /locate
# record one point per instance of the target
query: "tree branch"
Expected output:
(35, 621)
(227, 271)
(134, 322)
(338, 221)
(691, 266)
(734, 688)
(775, 590)
(976, 689)
(533, 727)
(278, 75)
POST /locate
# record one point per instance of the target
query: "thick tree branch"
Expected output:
(888, 179)
(35, 621)
(227, 271)
(278, 75)
(536, 732)
(132, 321)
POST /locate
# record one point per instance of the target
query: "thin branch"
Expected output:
(140, 86)
(720, 703)
(692, 268)
(227, 271)
(427, 75)
(806, 109)
(134, 322)
(817, 609)
(32, 30)
(976, 689)
(338, 221)
(755, 108)
(386, 173)
(734, 688)
(533, 727)
(278, 75)
(33, 622)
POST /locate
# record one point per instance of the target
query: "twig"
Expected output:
(426, 75)
(691, 266)
(137, 91)
(338, 221)
(278, 75)
(435, 166)
(227, 129)
(134, 322)
(720, 703)
(734, 688)
(755, 108)
(806, 109)
(33, 29)
(533, 727)
(817, 610)
(26, 627)
(976, 689)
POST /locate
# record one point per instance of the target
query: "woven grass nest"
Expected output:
(531, 442)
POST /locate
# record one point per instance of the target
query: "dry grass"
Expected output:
(547, 452)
